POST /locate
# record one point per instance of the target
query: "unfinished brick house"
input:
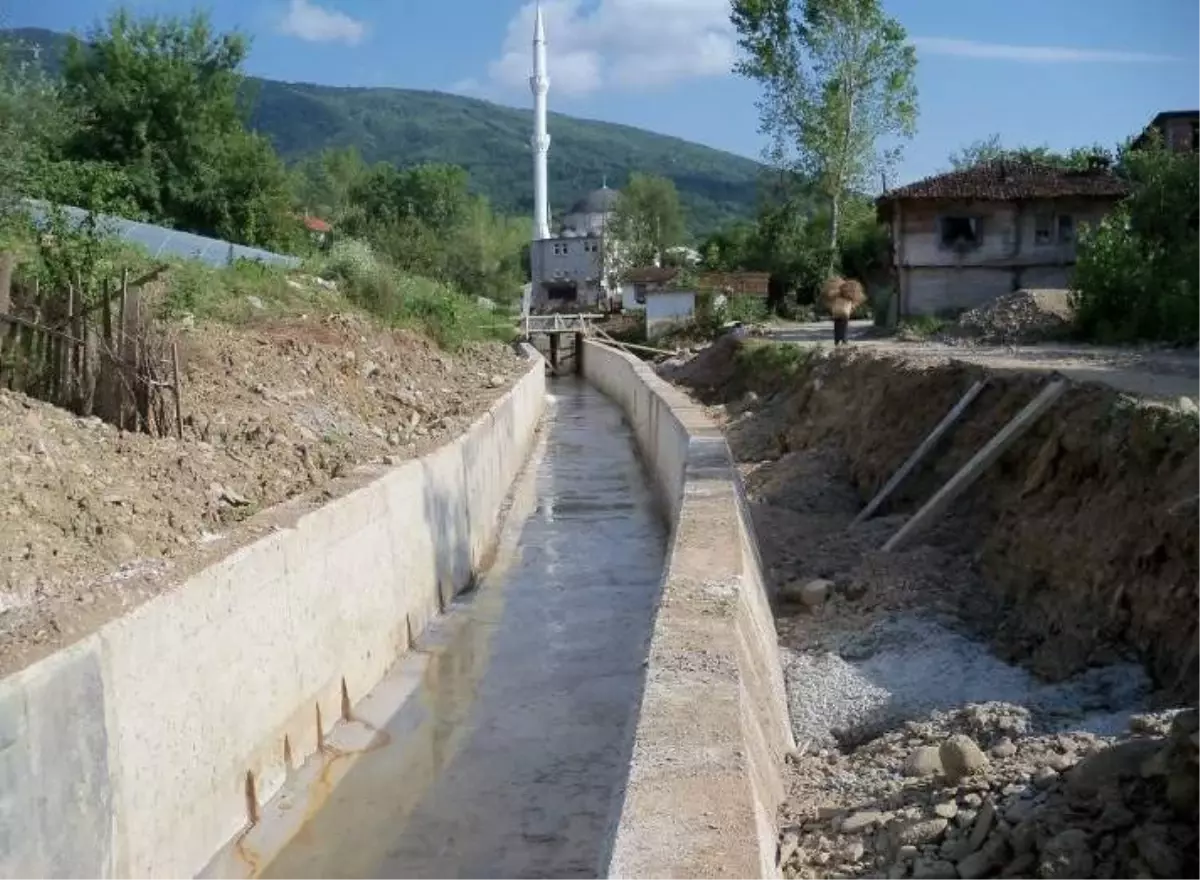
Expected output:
(961, 239)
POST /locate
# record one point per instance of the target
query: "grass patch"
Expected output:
(922, 326)
(765, 367)
(436, 309)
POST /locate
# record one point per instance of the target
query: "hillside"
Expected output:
(492, 142)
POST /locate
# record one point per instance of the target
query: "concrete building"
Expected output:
(567, 268)
(961, 239)
(1179, 129)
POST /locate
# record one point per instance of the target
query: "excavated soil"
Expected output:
(94, 520)
(1028, 628)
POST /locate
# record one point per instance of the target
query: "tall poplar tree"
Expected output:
(838, 80)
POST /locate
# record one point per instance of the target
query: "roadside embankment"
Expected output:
(95, 520)
(712, 733)
(142, 748)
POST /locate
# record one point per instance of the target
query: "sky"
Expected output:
(1057, 72)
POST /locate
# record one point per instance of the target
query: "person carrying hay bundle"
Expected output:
(841, 296)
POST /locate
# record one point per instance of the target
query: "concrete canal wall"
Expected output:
(142, 749)
(713, 731)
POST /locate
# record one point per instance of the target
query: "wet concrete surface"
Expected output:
(508, 757)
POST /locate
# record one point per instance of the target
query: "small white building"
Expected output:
(651, 290)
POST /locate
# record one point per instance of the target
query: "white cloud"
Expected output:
(314, 24)
(1031, 54)
(618, 44)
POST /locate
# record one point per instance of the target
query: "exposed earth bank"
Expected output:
(976, 704)
(94, 521)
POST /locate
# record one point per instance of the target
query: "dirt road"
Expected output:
(1155, 374)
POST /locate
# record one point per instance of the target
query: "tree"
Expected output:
(647, 222)
(838, 77)
(158, 98)
(1137, 276)
(991, 149)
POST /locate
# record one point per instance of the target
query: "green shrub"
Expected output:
(447, 316)
(1136, 278)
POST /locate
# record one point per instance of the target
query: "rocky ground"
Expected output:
(978, 792)
(927, 745)
(93, 520)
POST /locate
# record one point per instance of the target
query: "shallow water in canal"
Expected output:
(509, 757)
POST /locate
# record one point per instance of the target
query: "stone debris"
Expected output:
(1044, 804)
(1021, 317)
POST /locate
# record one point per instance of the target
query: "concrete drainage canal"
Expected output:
(500, 746)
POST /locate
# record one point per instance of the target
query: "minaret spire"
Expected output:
(539, 83)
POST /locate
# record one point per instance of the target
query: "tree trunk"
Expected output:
(835, 217)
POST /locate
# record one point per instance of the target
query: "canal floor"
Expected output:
(509, 758)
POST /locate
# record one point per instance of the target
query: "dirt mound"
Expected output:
(707, 371)
(90, 517)
(1021, 317)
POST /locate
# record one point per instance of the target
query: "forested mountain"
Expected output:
(492, 142)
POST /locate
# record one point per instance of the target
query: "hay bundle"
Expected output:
(841, 296)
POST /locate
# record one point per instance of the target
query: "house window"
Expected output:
(591, 247)
(960, 233)
(1066, 229)
(1043, 229)
(639, 294)
(561, 249)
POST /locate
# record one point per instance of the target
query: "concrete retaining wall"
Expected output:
(713, 730)
(140, 750)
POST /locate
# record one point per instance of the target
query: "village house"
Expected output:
(961, 239)
(1179, 130)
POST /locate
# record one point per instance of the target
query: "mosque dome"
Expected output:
(598, 201)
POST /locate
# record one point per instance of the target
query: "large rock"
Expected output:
(918, 831)
(1067, 855)
(923, 761)
(810, 594)
(961, 757)
(1108, 767)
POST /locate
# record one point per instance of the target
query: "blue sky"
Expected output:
(1059, 72)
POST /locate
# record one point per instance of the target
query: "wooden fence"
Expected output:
(94, 352)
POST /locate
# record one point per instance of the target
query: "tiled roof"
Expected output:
(316, 224)
(1006, 179)
(651, 275)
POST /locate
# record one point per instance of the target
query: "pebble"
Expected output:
(1004, 748)
(859, 822)
(920, 831)
(946, 809)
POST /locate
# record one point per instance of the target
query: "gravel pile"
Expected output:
(895, 669)
(1025, 316)
(980, 792)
